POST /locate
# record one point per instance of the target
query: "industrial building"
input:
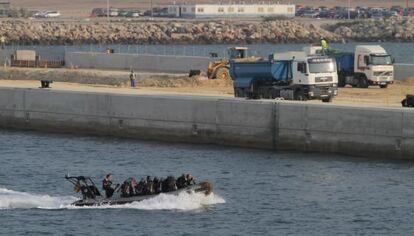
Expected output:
(231, 10)
(4, 9)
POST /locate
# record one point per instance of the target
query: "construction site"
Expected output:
(161, 83)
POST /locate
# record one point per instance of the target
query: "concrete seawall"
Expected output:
(360, 131)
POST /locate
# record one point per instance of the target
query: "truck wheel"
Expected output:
(251, 95)
(236, 93)
(223, 73)
(328, 99)
(383, 86)
(363, 83)
(355, 82)
(404, 103)
(341, 82)
(275, 94)
(299, 95)
(242, 93)
(269, 94)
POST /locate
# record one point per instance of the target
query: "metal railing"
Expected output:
(58, 52)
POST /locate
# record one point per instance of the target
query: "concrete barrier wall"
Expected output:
(403, 71)
(139, 62)
(348, 130)
(374, 132)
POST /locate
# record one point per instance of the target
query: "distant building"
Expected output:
(231, 10)
(4, 9)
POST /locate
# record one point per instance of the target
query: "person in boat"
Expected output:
(157, 185)
(134, 186)
(182, 181)
(149, 188)
(141, 187)
(107, 186)
(130, 188)
(190, 180)
(169, 184)
(124, 189)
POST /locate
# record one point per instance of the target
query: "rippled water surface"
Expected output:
(256, 192)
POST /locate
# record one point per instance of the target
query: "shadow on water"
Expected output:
(44, 139)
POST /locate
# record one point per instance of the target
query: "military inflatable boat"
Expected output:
(91, 196)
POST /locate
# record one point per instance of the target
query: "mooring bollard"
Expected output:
(45, 83)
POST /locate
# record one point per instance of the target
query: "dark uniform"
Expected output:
(169, 184)
(157, 185)
(107, 186)
(149, 188)
(190, 180)
(181, 181)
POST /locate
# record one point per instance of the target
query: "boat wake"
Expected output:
(10, 199)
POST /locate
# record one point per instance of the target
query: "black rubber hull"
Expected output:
(204, 187)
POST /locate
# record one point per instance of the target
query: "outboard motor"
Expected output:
(45, 83)
(85, 185)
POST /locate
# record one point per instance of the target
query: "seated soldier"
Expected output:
(126, 188)
(149, 188)
(157, 185)
(141, 187)
(169, 184)
(134, 186)
(190, 180)
(181, 182)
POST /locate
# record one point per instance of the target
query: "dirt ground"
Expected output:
(373, 96)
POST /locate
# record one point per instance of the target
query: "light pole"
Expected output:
(349, 9)
(152, 10)
(107, 10)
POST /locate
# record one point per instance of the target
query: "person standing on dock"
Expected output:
(324, 45)
(132, 79)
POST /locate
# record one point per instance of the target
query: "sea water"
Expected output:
(255, 192)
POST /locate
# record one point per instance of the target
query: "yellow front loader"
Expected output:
(220, 69)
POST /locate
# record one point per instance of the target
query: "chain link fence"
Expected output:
(402, 52)
(58, 52)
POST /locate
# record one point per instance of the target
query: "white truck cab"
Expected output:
(373, 62)
(367, 65)
(310, 69)
(314, 71)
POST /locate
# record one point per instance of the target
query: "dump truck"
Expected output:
(219, 69)
(290, 76)
(368, 65)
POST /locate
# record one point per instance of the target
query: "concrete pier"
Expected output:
(358, 131)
